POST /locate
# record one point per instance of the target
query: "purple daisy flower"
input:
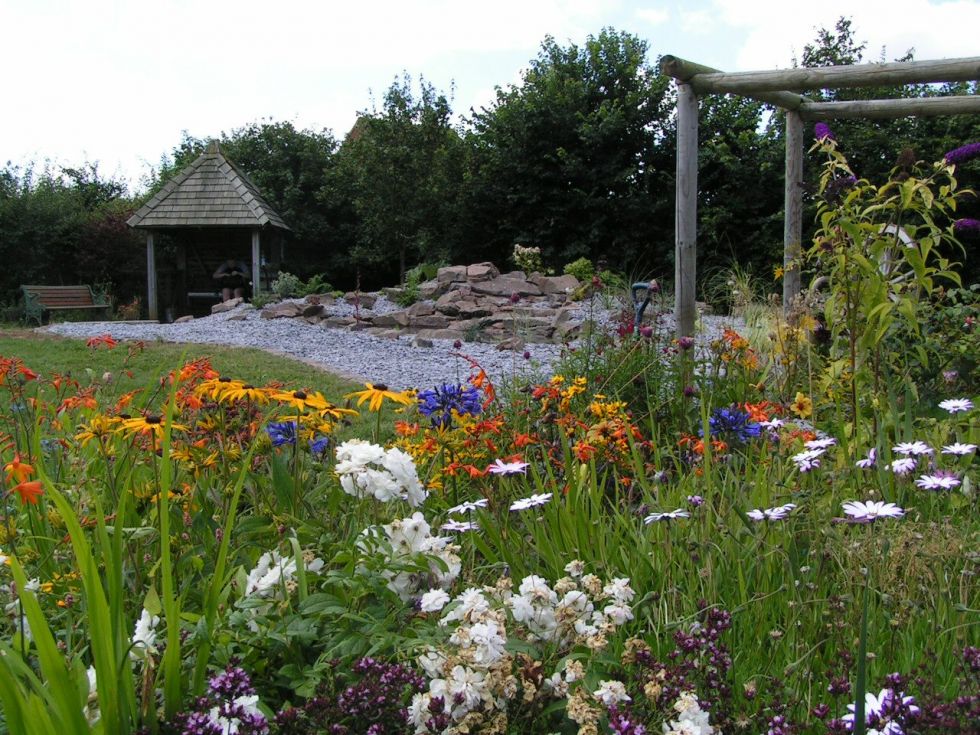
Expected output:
(870, 511)
(938, 480)
(772, 514)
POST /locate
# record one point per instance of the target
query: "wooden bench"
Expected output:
(39, 299)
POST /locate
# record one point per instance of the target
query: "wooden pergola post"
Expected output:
(151, 278)
(793, 207)
(686, 210)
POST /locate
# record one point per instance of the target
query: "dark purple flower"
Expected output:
(836, 186)
(526, 355)
(621, 723)
(646, 331)
(230, 683)
(822, 130)
(515, 297)
(967, 226)
(685, 343)
(962, 154)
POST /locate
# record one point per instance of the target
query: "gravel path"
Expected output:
(356, 355)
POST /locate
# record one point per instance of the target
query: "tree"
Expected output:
(573, 160)
(403, 168)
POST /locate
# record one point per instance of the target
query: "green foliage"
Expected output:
(286, 285)
(414, 278)
(882, 249)
(72, 223)
(317, 284)
(950, 330)
(582, 269)
(732, 290)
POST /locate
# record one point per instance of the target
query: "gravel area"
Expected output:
(358, 355)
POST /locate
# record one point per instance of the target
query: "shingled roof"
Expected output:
(210, 192)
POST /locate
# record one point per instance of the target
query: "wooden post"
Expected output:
(793, 213)
(256, 261)
(180, 299)
(686, 210)
(151, 278)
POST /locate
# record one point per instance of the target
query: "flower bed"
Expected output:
(757, 538)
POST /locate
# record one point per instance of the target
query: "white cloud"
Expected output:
(653, 16)
(697, 21)
(775, 31)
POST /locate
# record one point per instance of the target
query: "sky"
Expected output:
(117, 82)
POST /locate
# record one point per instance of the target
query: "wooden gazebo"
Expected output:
(210, 207)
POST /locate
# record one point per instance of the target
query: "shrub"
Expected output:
(582, 269)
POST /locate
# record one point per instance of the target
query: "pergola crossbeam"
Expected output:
(751, 83)
(889, 109)
(687, 71)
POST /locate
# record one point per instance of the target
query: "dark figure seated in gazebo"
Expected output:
(232, 277)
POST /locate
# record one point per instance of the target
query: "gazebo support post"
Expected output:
(685, 209)
(256, 261)
(151, 278)
(793, 217)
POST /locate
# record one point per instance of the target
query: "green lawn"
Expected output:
(134, 368)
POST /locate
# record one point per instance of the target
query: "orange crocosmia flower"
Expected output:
(735, 340)
(16, 470)
(473, 471)
(200, 368)
(523, 440)
(125, 399)
(102, 339)
(406, 428)
(584, 451)
(187, 399)
(28, 491)
(27, 373)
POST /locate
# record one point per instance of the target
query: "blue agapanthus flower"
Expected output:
(283, 432)
(439, 403)
(733, 423)
(319, 445)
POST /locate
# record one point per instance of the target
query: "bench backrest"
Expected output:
(61, 297)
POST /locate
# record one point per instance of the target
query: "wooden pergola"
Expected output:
(210, 196)
(782, 88)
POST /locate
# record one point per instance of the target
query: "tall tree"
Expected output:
(574, 157)
(402, 165)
